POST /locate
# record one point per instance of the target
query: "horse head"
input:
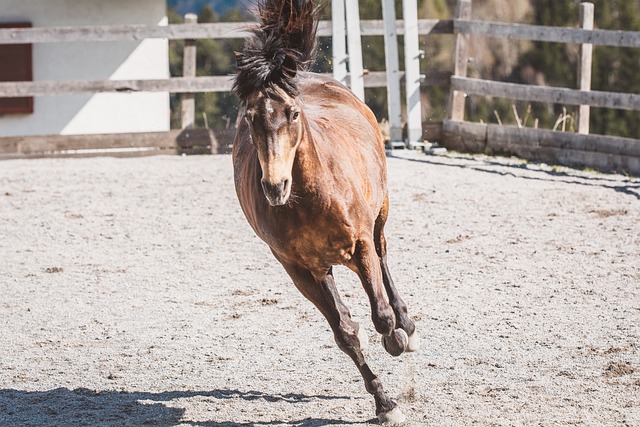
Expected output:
(276, 128)
(266, 83)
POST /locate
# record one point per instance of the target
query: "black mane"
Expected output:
(283, 44)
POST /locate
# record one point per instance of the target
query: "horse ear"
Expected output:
(238, 56)
(290, 66)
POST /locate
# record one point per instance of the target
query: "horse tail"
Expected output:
(282, 44)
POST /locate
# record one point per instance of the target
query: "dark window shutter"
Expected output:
(16, 65)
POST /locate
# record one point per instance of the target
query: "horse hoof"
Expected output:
(396, 343)
(363, 338)
(394, 416)
(414, 342)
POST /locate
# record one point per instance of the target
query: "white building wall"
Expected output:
(93, 113)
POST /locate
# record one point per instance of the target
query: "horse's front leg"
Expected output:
(367, 264)
(350, 338)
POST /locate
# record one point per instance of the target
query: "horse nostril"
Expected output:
(275, 191)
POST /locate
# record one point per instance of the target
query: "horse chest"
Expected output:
(315, 237)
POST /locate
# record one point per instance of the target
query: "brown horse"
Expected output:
(310, 174)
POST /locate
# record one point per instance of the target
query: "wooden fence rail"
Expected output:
(546, 94)
(67, 87)
(547, 34)
(173, 85)
(218, 30)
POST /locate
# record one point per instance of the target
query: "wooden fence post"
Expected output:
(189, 70)
(584, 66)
(457, 98)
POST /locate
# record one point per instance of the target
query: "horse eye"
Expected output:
(294, 116)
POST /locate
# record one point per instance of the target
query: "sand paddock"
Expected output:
(133, 292)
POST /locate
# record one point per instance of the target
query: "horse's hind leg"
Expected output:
(403, 320)
(347, 333)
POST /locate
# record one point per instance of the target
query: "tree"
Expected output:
(616, 69)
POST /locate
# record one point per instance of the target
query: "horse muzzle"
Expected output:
(277, 194)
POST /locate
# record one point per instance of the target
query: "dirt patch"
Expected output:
(619, 369)
(133, 292)
(606, 213)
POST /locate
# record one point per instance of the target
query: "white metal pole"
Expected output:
(392, 65)
(354, 44)
(584, 66)
(412, 54)
(338, 41)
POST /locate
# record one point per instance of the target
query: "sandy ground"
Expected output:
(133, 292)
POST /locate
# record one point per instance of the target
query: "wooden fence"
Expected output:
(605, 153)
(602, 152)
(176, 141)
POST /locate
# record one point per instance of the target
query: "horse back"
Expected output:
(325, 99)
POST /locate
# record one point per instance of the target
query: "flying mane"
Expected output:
(283, 44)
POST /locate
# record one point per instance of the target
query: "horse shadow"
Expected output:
(85, 407)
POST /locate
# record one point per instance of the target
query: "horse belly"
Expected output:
(320, 244)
